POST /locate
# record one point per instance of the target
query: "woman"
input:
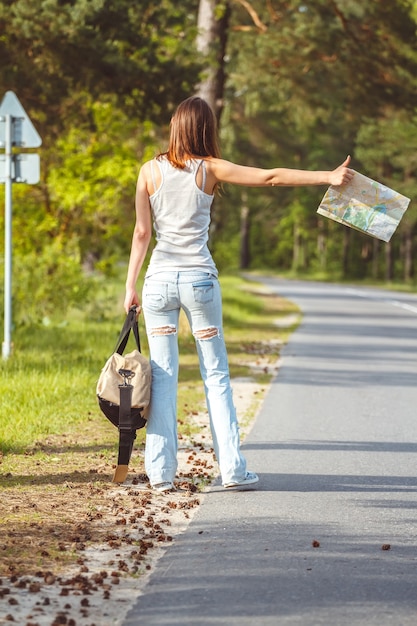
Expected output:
(175, 191)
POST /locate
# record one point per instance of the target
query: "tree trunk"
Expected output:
(213, 22)
(375, 259)
(321, 245)
(389, 267)
(244, 233)
(297, 248)
(408, 256)
(345, 252)
(211, 42)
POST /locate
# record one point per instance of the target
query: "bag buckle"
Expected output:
(127, 376)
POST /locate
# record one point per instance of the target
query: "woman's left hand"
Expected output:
(132, 299)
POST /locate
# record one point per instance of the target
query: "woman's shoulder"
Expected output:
(151, 173)
(216, 163)
(152, 165)
(217, 167)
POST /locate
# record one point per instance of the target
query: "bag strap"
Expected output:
(131, 323)
(127, 434)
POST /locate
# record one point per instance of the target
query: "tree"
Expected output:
(211, 43)
(98, 78)
(140, 52)
(387, 147)
(302, 77)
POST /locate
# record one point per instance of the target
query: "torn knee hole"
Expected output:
(164, 330)
(206, 333)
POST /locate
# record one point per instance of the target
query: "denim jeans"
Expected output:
(198, 294)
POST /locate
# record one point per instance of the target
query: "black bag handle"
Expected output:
(131, 323)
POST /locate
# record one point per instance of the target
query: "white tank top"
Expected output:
(181, 218)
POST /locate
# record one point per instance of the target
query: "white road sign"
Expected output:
(25, 168)
(23, 132)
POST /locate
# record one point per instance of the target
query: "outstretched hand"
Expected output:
(342, 174)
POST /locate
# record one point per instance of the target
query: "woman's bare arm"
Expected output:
(228, 172)
(140, 241)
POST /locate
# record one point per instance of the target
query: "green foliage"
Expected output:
(140, 52)
(95, 76)
(298, 92)
(330, 57)
(387, 149)
(87, 219)
(227, 254)
(49, 282)
(92, 185)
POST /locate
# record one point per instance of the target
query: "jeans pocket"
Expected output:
(154, 298)
(203, 291)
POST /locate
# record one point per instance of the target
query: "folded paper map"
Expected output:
(365, 205)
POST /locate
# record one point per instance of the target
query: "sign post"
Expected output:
(7, 239)
(16, 129)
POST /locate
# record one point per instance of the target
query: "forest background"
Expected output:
(294, 84)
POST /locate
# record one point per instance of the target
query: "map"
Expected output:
(365, 205)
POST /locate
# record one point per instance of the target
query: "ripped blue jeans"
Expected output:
(198, 294)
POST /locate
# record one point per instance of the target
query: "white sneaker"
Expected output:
(162, 487)
(250, 479)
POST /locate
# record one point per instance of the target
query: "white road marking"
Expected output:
(371, 296)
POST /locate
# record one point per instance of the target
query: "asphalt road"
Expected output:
(335, 446)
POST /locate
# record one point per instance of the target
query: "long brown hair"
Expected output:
(193, 132)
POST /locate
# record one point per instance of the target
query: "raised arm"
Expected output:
(228, 172)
